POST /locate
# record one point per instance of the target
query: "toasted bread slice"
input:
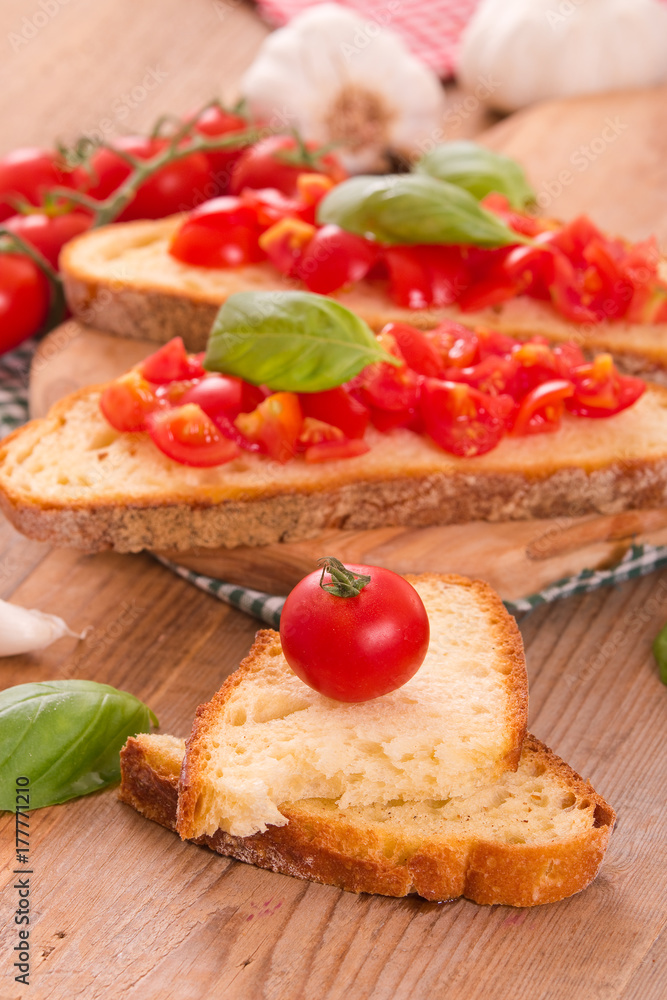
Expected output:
(267, 738)
(72, 480)
(122, 279)
(535, 836)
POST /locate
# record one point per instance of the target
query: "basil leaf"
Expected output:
(291, 341)
(65, 736)
(477, 170)
(413, 208)
(660, 653)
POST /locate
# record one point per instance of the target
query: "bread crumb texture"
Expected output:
(267, 738)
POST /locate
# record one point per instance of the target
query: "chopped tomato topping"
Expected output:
(465, 389)
(188, 436)
(127, 402)
(275, 425)
(542, 408)
(462, 420)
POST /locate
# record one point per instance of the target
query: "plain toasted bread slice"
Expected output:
(536, 836)
(70, 479)
(122, 279)
(267, 738)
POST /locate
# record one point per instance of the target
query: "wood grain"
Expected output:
(120, 906)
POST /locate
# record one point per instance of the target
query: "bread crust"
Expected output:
(341, 851)
(142, 306)
(203, 518)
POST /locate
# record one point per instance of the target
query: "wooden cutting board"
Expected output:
(518, 558)
(604, 155)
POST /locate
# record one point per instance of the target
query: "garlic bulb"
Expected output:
(340, 78)
(520, 51)
(23, 629)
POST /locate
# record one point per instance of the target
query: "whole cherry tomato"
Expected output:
(275, 162)
(49, 233)
(212, 123)
(24, 299)
(28, 173)
(175, 188)
(354, 632)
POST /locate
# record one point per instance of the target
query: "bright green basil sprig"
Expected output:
(65, 736)
(413, 208)
(290, 341)
(477, 170)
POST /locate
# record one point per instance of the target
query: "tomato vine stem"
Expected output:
(344, 582)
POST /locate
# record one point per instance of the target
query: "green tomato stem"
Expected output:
(344, 583)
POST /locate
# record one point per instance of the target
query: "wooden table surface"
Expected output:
(122, 908)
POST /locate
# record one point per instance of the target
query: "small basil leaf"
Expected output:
(413, 208)
(660, 653)
(477, 170)
(65, 736)
(291, 341)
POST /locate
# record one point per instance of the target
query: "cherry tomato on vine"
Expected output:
(354, 632)
(212, 123)
(175, 188)
(49, 233)
(28, 173)
(274, 162)
(24, 299)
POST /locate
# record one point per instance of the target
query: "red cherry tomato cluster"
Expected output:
(29, 212)
(465, 389)
(354, 632)
(586, 275)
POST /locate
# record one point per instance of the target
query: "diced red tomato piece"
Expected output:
(567, 357)
(599, 391)
(172, 363)
(186, 435)
(275, 425)
(520, 222)
(420, 276)
(392, 395)
(334, 258)
(416, 348)
(127, 401)
(531, 269)
(492, 343)
(284, 243)
(494, 376)
(217, 394)
(460, 419)
(314, 431)
(456, 344)
(337, 407)
(328, 451)
(223, 232)
(542, 408)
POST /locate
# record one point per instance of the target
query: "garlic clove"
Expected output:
(340, 78)
(23, 630)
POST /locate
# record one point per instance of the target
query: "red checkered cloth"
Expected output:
(431, 29)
